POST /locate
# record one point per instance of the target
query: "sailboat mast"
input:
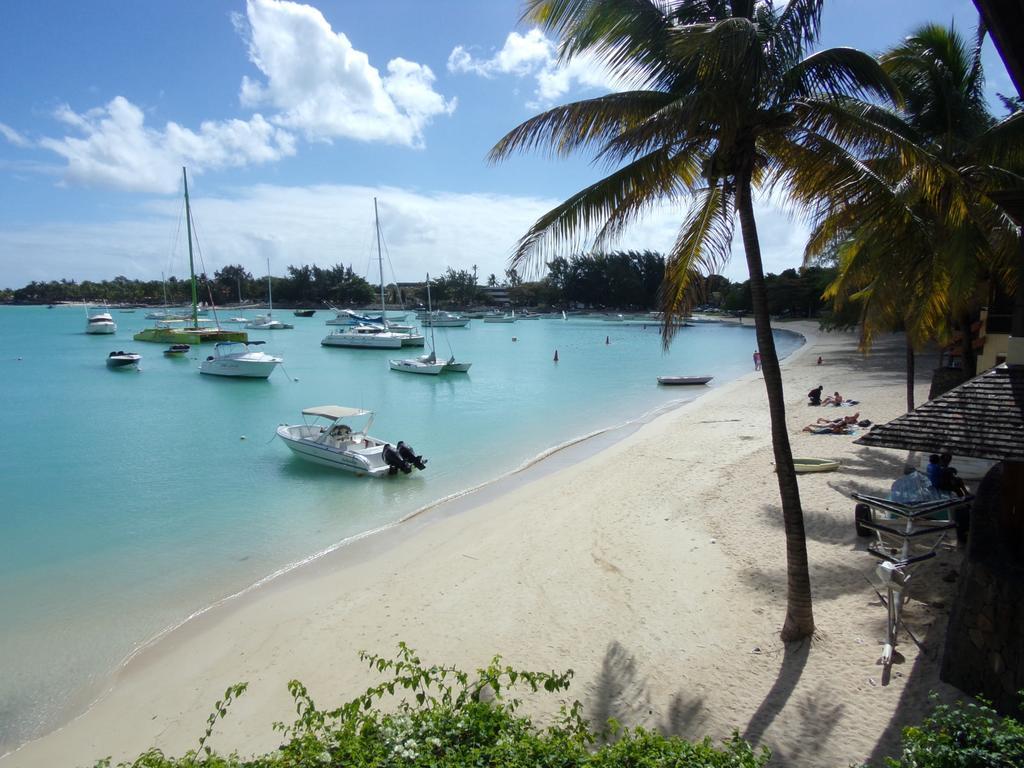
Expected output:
(164, 281)
(191, 263)
(430, 314)
(270, 291)
(380, 264)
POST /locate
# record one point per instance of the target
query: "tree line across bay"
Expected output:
(627, 280)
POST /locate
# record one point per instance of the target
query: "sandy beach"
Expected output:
(653, 568)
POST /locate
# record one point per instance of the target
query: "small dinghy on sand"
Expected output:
(677, 381)
(803, 465)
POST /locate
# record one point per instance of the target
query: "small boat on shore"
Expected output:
(121, 359)
(678, 381)
(340, 446)
(177, 350)
(804, 465)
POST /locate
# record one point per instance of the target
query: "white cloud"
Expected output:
(324, 88)
(316, 84)
(329, 224)
(14, 137)
(115, 148)
(535, 55)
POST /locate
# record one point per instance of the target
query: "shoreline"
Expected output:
(548, 461)
(211, 631)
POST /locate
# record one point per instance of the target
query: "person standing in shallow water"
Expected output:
(757, 360)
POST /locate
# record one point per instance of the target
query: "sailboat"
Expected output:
(166, 333)
(165, 313)
(428, 364)
(373, 335)
(267, 322)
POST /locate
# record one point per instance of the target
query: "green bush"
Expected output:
(441, 716)
(962, 736)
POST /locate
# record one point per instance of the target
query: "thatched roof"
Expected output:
(983, 418)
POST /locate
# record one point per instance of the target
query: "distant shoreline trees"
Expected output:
(623, 280)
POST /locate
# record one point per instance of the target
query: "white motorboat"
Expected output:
(235, 358)
(267, 322)
(444, 320)
(123, 360)
(340, 446)
(363, 337)
(500, 318)
(99, 323)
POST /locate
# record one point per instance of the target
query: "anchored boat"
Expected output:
(119, 360)
(335, 443)
(236, 359)
(167, 333)
(677, 381)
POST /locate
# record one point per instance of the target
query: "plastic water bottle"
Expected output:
(913, 488)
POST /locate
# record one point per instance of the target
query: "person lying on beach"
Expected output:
(847, 420)
(814, 396)
(838, 428)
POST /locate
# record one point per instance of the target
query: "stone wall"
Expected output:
(984, 652)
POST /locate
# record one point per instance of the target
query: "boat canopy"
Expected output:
(334, 411)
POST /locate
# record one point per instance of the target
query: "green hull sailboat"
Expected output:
(167, 332)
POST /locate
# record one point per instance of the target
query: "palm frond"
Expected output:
(839, 73)
(797, 28)
(590, 209)
(626, 37)
(703, 245)
(1002, 144)
(567, 128)
(677, 176)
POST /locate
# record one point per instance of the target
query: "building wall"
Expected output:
(995, 343)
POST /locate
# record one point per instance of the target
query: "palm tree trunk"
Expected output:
(799, 621)
(910, 376)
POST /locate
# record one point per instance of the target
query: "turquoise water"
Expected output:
(130, 500)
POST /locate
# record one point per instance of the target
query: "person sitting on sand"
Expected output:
(834, 399)
(949, 478)
(814, 396)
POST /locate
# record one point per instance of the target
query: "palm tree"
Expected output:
(721, 101)
(915, 248)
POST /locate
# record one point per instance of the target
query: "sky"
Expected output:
(292, 117)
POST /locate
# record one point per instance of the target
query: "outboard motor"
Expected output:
(394, 461)
(408, 454)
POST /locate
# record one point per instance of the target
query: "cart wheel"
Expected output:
(862, 514)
